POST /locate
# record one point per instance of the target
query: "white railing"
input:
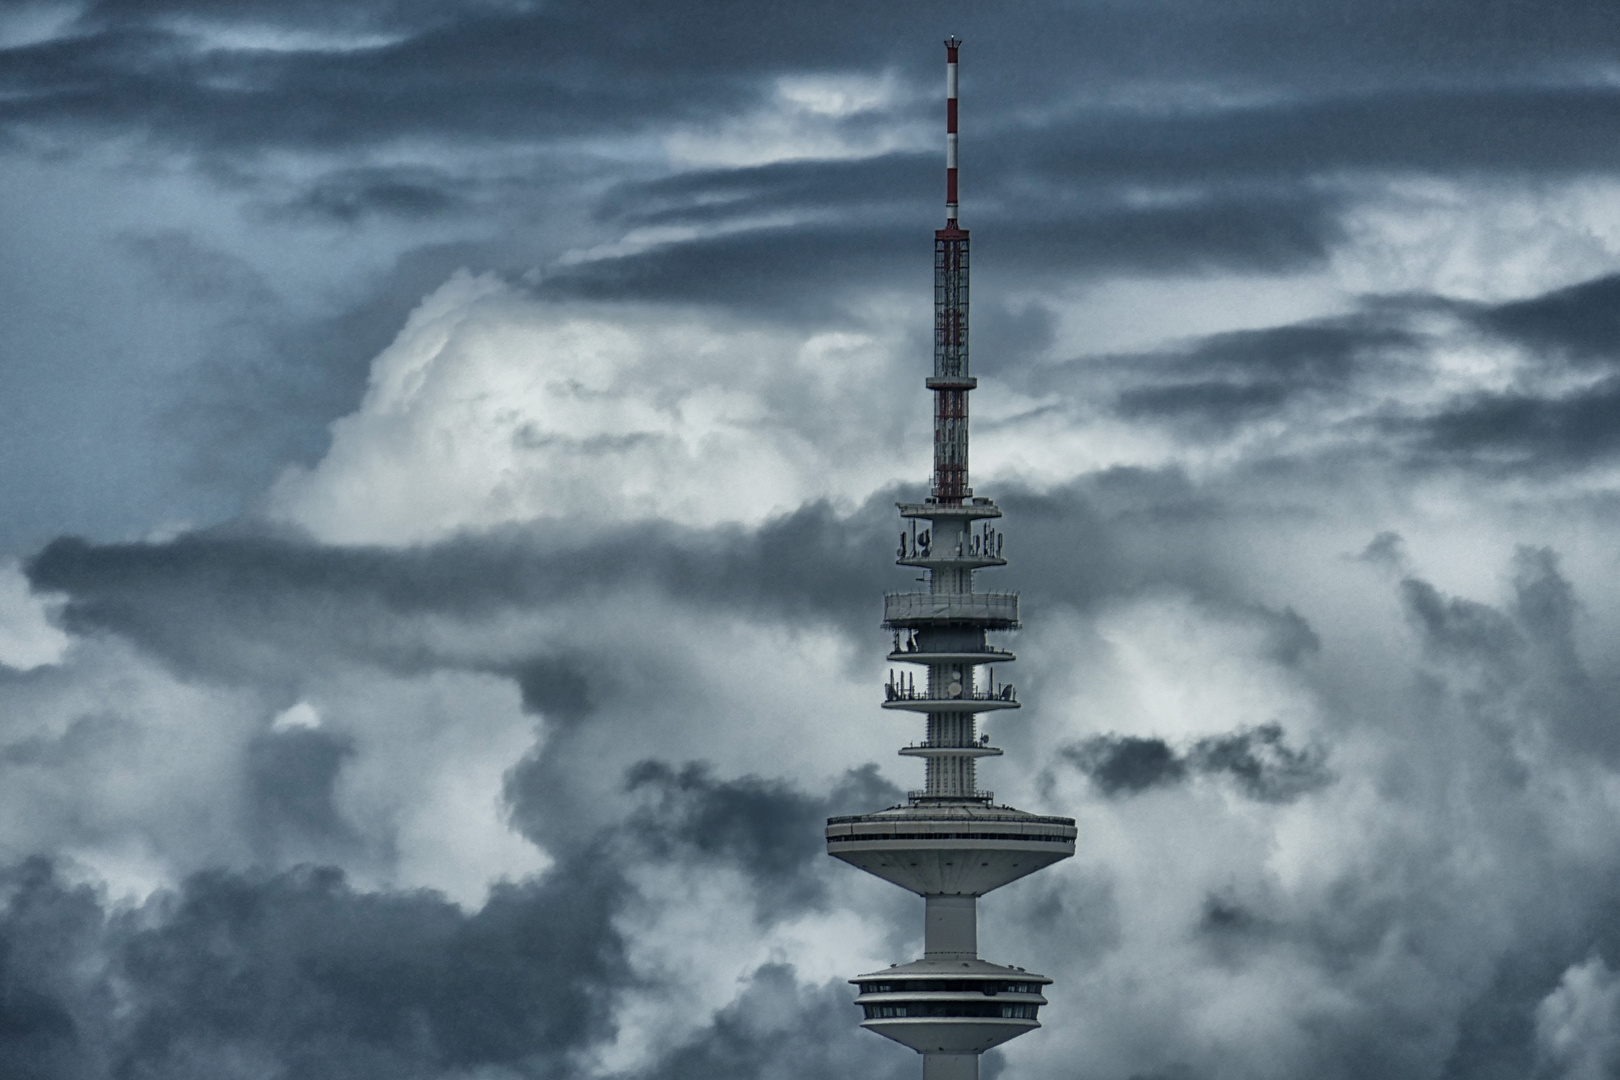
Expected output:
(912, 607)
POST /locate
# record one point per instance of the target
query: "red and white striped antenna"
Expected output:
(951, 46)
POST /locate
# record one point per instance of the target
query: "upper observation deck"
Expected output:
(989, 611)
(970, 509)
(977, 658)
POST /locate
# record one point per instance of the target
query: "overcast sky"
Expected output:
(450, 453)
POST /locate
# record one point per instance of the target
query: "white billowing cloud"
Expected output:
(302, 716)
(1252, 931)
(490, 407)
(1123, 313)
(239, 37)
(1578, 1024)
(25, 23)
(1163, 665)
(806, 117)
(1477, 240)
(423, 785)
(693, 940)
(28, 639)
(126, 768)
(140, 778)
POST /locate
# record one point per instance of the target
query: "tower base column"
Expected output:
(950, 1067)
(951, 928)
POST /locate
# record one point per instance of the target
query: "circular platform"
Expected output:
(950, 849)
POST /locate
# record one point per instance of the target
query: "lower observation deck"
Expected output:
(914, 610)
(950, 847)
(951, 1006)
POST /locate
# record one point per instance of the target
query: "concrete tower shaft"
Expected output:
(949, 842)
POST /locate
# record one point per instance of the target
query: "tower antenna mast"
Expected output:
(949, 842)
(951, 380)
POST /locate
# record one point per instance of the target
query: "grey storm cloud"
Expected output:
(290, 806)
(1522, 431)
(525, 67)
(1346, 808)
(407, 193)
(1258, 760)
(300, 970)
(205, 603)
(504, 106)
(1228, 379)
(1524, 656)
(208, 604)
(795, 270)
(1579, 322)
(1357, 366)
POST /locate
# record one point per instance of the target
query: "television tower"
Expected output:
(950, 843)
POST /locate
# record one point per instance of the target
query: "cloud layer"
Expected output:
(453, 483)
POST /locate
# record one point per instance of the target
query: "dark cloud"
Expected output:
(182, 264)
(291, 812)
(1063, 190)
(558, 687)
(47, 931)
(1455, 627)
(1518, 667)
(1262, 763)
(210, 603)
(1125, 764)
(1219, 383)
(1413, 128)
(1386, 549)
(87, 735)
(886, 183)
(499, 136)
(1528, 432)
(300, 972)
(1258, 760)
(879, 203)
(1221, 401)
(774, 269)
(245, 605)
(1349, 380)
(796, 269)
(782, 1028)
(1104, 142)
(505, 70)
(352, 193)
(1581, 322)
(1219, 229)
(764, 828)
